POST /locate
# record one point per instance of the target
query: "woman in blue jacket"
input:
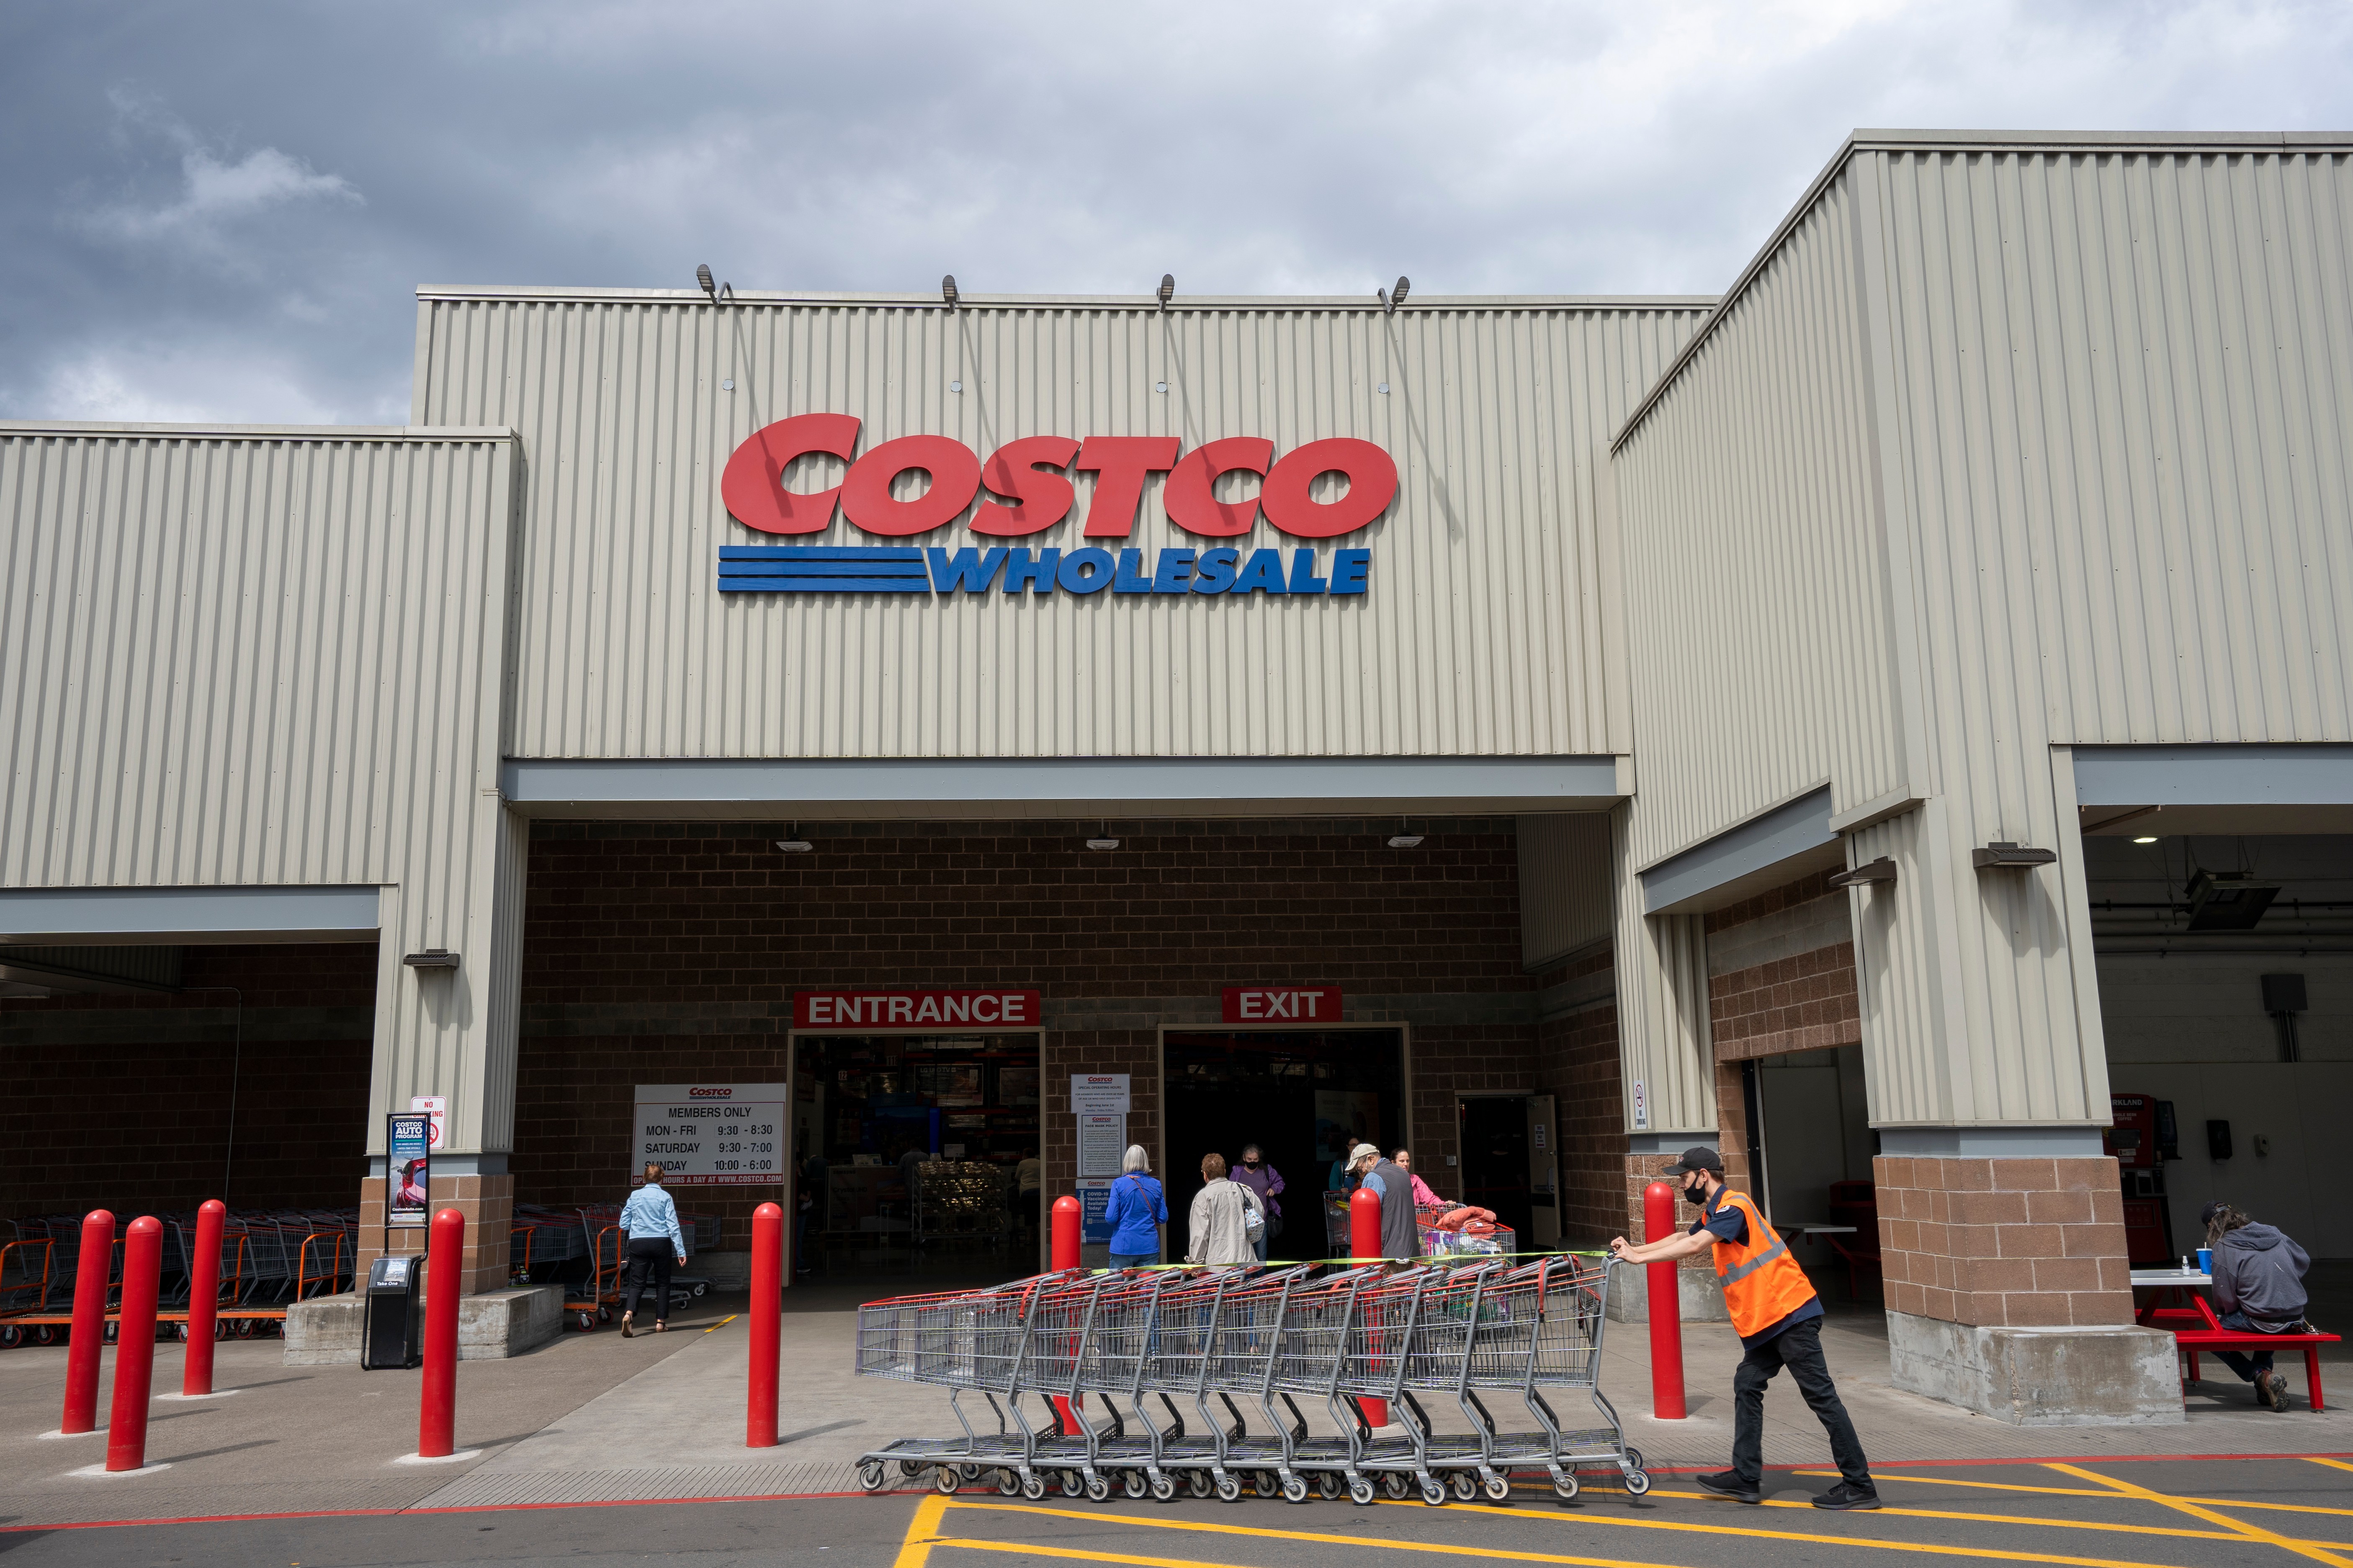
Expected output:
(1136, 1212)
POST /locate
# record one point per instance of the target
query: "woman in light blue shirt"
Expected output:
(650, 1237)
(1136, 1212)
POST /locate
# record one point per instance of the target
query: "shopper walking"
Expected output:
(1264, 1180)
(2258, 1289)
(1779, 1320)
(1136, 1212)
(1227, 1219)
(650, 1236)
(1400, 1236)
(1028, 1181)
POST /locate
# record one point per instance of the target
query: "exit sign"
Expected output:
(1283, 1003)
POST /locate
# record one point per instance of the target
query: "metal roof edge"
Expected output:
(1143, 303)
(92, 428)
(1889, 141)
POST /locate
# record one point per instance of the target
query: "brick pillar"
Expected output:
(2004, 1243)
(487, 1204)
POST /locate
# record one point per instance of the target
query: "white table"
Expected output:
(2156, 1278)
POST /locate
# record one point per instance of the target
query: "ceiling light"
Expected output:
(795, 846)
(1405, 841)
(1168, 290)
(2150, 839)
(947, 289)
(2227, 900)
(1103, 843)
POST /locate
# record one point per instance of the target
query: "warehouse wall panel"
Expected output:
(1483, 633)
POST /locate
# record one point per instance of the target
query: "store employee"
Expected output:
(1780, 1320)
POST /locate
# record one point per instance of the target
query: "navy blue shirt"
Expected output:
(1724, 1222)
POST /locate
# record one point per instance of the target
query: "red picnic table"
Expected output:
(2177, 1300)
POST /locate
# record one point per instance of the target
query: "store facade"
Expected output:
(1578, 697)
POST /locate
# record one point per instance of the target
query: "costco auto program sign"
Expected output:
(1024, 488)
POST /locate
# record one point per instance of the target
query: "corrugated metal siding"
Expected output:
(1482, 635)
(2126, 389)
(1565, 899)
(239, 660)
(1757, 608)
(1665, 1044)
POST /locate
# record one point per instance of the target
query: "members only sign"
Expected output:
(710, 1134)
(1025, 488)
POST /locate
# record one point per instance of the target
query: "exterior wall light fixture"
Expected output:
(2002, 855)
(431, 958)
(1880, 871)
(1405, 839)
(702, 278)
(1168, 290)
(947, 289)
(796, 845)
(1391, 299)
(1103, 839)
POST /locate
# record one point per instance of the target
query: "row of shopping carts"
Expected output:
(1082, 1342)
(269, 1259)
(581, 1249)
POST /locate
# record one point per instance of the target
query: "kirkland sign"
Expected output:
(1031, 491)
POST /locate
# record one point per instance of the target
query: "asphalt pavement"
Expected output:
(2155, 1514)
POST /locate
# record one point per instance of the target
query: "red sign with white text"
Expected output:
(1283, 1003)
(915, 1009)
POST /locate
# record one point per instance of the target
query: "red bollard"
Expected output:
(1666, 1307)
(203, 1299)
(765, 1318)
(1070, 1224)
(134, 1346)
(88, 1336)
(1365, 1247)
(445, 1262)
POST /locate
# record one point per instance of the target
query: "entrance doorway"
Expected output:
(1511, 1164)
(911, 1146)
(1302, 1096)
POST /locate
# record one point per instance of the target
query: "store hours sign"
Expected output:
(1026, 487)
(711, 1135)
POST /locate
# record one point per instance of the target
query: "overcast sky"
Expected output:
(221, 212)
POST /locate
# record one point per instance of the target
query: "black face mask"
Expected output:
(1252, 1160)
(1697, 1196)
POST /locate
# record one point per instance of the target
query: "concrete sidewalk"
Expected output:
(594, 1417)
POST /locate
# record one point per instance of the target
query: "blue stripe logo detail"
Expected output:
(821, 569)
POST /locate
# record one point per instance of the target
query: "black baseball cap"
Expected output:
(1696, 1159)
(2206, 1215)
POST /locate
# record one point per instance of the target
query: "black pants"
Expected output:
(1799, 1347)
(648, 1256)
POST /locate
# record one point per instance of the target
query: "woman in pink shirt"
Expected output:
(1422, 1196)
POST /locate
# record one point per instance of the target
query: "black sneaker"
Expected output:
(1727, 1483)
(1846, 1496)
(2278, 1384)
(2263, 1394)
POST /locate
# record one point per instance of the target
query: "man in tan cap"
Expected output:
(1398, 1236)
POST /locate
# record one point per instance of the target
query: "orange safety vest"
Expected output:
(1762, 1283)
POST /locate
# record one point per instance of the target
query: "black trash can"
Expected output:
(392, 1313)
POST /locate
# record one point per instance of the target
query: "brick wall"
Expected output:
(121, 1099)
(663, 952)
(1577, 1062)
(1801, 994)
(1995, 1243)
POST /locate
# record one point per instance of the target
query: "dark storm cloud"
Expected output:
(218, 213)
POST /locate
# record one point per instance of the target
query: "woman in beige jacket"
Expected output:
(1223, 1215)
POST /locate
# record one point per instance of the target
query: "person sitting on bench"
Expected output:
(2259, 1288)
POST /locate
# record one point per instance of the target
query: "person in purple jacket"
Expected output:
(1264, 1180)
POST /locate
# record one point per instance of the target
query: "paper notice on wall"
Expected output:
(1099, 1094)
(1094, 1196)
(1102, 1143)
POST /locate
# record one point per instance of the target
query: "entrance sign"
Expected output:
(914, 1009)
(1282, 1004)
(710, 1134)
(407, 1167)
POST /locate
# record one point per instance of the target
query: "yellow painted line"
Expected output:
(2082, 1491)
(922, 1533)
(1202, 1527)
(1980, 1553)
(2171, 1532)
(2181, 1505)
(1985, 1553)
(722, 1323)
(2332, 1463)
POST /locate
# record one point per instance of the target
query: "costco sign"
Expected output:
(1028, 488)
